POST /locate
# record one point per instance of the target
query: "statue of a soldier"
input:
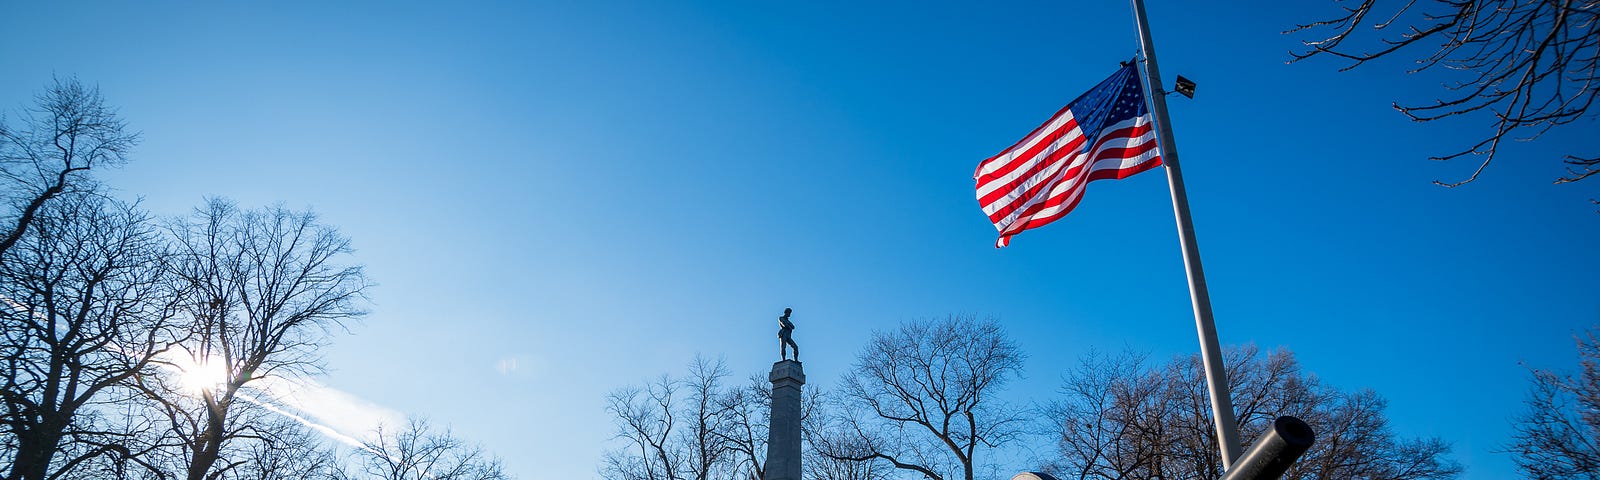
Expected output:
(785, 338)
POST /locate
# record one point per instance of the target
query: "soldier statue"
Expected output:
(785, 340)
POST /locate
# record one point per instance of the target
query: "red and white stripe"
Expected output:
(1042, 177)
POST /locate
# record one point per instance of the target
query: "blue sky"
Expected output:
(598, 191)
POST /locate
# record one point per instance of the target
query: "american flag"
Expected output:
(1106, 133)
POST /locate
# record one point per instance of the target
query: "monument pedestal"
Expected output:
(783, 433)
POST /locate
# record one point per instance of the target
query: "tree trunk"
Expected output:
(35, 449)
(208, 446)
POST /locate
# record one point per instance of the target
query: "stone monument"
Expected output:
(783, 433)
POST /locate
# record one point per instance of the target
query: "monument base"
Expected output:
(783, 431)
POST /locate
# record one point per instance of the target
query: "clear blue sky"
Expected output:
(601, 190)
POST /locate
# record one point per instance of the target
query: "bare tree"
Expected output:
(287, 450)
(51, 149)
(1113, 424)
(709, 452)
(84, 310)
(694, 428)
(746, 412)
(262, 290)
(830, 444)
(417, 452)
(137, 440)
(1556, 435)
(820, 466)
(676, 429)
(922, 398)
(1530, 65)
(646, 422)
(1121, 418)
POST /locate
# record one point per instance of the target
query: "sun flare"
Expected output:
(197, 376)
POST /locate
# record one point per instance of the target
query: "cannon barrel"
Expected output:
(1271, 454)
(1274, 451)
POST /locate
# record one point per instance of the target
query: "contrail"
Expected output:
(330, 432)
(330, 407)
(324, 429)
(334, 413)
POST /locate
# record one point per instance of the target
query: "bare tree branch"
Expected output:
(69, 131)
(926, 391)
(418, 452)
(262, 290)
(1531, 65)
(1120, 418)
(1555, 435)
(83, 310)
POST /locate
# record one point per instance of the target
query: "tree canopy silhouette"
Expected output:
(1558, 434)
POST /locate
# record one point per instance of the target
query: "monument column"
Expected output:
(783, 433)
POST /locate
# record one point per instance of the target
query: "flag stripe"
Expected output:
(1076, 175)
(1007, 213)
(1106, 133)
(1013, 180)
(1055, 123)
(1059, 136)
(1007, 178)
(1002, 202)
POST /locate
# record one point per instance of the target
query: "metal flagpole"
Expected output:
(1210, 351)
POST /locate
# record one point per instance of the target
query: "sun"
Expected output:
(197, 376)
